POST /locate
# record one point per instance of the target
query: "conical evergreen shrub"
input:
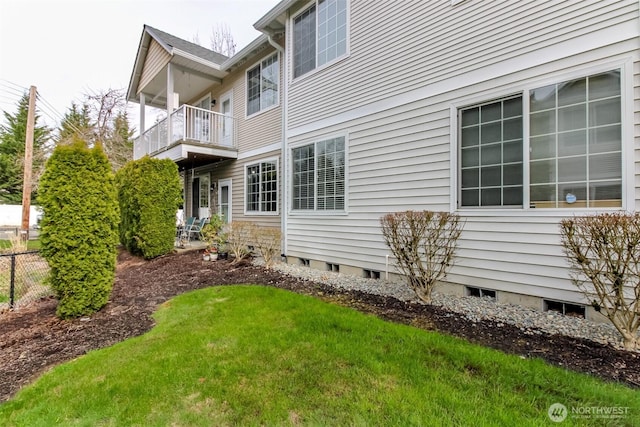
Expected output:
(79, 233)
(149, 193)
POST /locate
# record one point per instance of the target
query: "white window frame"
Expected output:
(627, 125)
(260, 212)
(317, 67)
(315, 210)
(246, 94)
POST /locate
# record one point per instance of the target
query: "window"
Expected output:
(491, 153)
(319, 35)
(574, 145)
(262, 85)
(262, 187)
(319, 176)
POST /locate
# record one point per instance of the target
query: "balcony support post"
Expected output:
(142, 115)
(170, 103)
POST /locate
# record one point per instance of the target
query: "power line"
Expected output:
(23, 88)
(7, 88)
(51, 108)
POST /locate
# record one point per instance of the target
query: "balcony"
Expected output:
(189, 132)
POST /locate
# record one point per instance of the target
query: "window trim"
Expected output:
(246, 86)
(625, 67)
(246, 166)
(290, 42)
(315, 211)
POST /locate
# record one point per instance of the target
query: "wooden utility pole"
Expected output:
(28, 161)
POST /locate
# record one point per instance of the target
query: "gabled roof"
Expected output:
(170, 42)
(189, 56)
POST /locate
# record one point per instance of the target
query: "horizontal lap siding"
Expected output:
(395, 49)
(399, 156)
(239, 190)
(636, 130)
(156, 59)
(261, 129)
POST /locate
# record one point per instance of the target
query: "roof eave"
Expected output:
(269, 23)
(143, 45)
(245, 53)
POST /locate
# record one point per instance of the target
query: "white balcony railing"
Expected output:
(188, 124)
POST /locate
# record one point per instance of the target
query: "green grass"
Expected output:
(32, 245)
(250, 355)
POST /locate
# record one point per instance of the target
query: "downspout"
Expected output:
(284, 175)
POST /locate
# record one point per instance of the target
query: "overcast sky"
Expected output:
(70, 47)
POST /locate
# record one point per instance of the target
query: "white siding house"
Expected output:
(222, 124)
(513, 114)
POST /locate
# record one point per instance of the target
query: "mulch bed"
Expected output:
(33, 339)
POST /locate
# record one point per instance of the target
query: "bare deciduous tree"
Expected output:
(222, 40)
(604, 255)
(267, 242)
(423, 244)
(239, 234)
(102, 119)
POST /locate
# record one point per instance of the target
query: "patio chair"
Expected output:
(196, 228)
(182, 230)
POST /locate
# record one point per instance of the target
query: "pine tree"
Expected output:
(76, 123)
(12, 145)
(101, 119)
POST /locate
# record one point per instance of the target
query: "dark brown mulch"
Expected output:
(32, 339)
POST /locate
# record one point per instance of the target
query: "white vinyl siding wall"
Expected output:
(402, 139)
(393, 43)
(156, 59)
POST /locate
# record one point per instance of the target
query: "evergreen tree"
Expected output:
(76, 123)
(80, 227)
(12, 144)
(101, 119)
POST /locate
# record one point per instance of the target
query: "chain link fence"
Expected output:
(22, 279)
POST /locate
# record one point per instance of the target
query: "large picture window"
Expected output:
(262, 187)
(574, 145)
(319, 176)
(319, 35)
(262, 85)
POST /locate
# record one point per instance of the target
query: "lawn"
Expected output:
(251, 355)
(32, 245)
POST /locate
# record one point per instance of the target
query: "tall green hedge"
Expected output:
(149, 193)
(79, 227)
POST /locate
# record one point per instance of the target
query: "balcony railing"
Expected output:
(188, 124)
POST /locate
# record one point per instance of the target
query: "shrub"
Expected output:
(212, 233)
(423, 244)
(604, 256)
(149, 194)
(79, 227)
(267, 242)
(239, 235)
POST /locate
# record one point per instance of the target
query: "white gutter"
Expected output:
(284, 175)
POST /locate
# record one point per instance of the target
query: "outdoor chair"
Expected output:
(196, 228)
(182, 230)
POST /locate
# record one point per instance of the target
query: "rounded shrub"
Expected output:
(79, 227)
(149, 194)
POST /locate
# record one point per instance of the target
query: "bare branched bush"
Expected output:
(267, 242)
(604, 255)
(423, 245)
(239, 235)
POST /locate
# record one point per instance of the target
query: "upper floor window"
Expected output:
(319, 35)
(262, 187)
(574, 145)
(319, 175)
(262, 85)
